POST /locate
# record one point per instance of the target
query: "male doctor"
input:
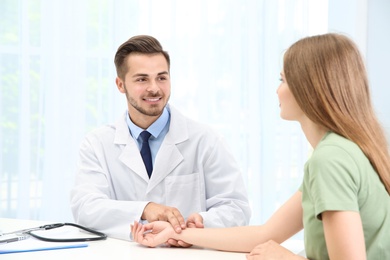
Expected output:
(194, 180)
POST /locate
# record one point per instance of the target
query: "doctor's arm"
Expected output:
(93, 202)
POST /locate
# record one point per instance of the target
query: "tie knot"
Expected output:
(145, 136)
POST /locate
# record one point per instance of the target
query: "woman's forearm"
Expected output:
(284, 223)
(235, 239)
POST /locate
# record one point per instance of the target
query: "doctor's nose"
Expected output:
(153, 87)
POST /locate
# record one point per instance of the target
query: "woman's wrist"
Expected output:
(175, 235)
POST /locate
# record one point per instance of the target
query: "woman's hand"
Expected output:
(152, 234)
(271, 250)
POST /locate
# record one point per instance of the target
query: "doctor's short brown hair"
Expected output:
(142, 44)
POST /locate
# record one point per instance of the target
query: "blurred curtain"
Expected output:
(57, 82)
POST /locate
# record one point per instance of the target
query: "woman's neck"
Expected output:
(313, 132)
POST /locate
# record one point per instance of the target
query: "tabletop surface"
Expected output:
(111, 248)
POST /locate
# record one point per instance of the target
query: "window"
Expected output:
(58, 82)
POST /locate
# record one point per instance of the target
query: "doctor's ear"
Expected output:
(120, 85)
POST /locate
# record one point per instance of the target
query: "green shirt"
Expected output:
(338, 176)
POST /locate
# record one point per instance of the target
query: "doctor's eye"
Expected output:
(141, 79)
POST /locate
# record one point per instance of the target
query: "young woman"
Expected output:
(343, 203)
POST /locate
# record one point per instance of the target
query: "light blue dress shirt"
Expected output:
(158, 131)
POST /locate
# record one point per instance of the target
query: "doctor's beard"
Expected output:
(154, 111)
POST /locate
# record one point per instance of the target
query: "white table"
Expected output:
(111, 248)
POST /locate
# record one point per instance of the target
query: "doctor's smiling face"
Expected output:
(147, 87)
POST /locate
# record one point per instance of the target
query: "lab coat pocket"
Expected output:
(183, 192)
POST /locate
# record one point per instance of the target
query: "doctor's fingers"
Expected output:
(154, 212)
(177, 220)
(177, 243)
(171, 215)
(195, 221)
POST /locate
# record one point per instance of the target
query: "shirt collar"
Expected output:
(155, 129)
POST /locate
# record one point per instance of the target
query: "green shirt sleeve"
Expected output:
(333, 180)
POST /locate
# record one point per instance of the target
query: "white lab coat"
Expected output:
(193, 171)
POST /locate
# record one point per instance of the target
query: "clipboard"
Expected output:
(31, 244)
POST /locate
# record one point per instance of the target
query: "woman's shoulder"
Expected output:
(335, 143)
(334, 148)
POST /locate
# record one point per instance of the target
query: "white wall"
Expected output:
(368, 23)
(378, 57)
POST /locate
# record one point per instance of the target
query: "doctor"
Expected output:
(194, 180)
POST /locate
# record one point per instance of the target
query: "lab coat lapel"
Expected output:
(169, 156)
(130, 155)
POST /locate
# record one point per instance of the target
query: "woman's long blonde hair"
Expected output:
(327, 77)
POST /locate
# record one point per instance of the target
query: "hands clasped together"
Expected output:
(165, 220)
(166, 225)
(162, 232)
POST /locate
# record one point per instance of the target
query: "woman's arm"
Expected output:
(286, 222)
(344, 235)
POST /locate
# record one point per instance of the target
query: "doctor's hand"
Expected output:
(155, 212)
(195, 220)
(152, 234)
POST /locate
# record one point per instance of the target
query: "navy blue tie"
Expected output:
(145, 152)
